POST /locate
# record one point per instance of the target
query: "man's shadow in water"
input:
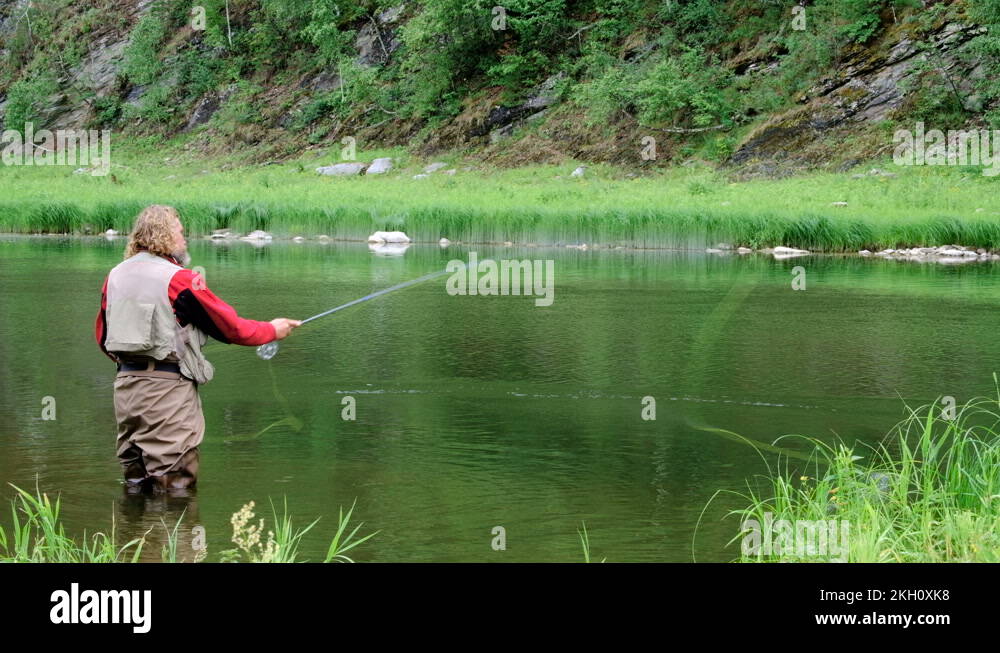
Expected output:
(156, 516)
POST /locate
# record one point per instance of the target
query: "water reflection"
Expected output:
(155, 516)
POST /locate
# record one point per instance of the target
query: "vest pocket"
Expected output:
(130, 326)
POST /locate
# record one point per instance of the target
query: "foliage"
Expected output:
(928, 493)
(26, 100)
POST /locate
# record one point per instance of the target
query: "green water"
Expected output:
(477, 412)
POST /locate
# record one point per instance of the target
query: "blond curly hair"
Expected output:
(153, 231)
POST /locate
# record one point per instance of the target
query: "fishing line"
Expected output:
(269, 350)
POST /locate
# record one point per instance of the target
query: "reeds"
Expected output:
(920, 207)
(37, 535)
(929, 492)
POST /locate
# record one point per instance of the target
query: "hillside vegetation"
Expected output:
(768, 88)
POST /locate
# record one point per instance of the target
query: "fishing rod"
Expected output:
(269, 350)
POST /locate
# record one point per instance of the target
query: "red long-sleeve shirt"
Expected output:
(194, 303)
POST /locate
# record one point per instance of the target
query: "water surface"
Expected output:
(476, 412)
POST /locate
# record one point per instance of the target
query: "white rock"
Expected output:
(743, 250)
(298, 239)
(865, 252)
(788, 251)
(421, 176)
(379, 166)
(448, 172)
(388, 237)
(110, 232)
(341, 169)
(950, 252)
(432, 167)
(838, 204)
(257, 235)
(578, 172)
(322, 237)
(444, 242)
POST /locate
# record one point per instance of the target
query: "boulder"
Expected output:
(433, 167)
(379, 166)
(788, 251)
(388, 237)
(257, 235)
(341, 169)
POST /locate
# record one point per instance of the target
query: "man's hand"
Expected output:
(283, 326)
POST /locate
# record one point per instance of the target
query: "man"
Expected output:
(153, 322)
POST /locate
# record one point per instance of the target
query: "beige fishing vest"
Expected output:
(141, 321)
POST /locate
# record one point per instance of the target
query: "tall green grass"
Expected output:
(38, 535)
(929, 492)
(543, 205)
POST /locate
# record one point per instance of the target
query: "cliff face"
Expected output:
(743, 87)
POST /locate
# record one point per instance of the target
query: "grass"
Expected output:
(37, 535)
(929, 492)
(681, 207)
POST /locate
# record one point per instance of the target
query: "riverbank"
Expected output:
(926, 493)
(687, 207)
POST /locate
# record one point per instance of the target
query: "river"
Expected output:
(477, 412)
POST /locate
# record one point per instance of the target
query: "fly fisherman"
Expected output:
(153, 323)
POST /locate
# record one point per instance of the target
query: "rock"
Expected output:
(379, 166)
(434, 167)
(391, 15)
(950, 252)
(257, 235)
(110, 232)
(444, 242)
(421, 176)
(578, 172)
(788, 251)
(203, 111)
(743, 250)
(501, 133)
(838, 204)
(388, 237)
(341, 169)
(865, 252)
(298, 239)
(376, 42)
(323, 237)
(448, 172)
(723, 246)
(500, 121)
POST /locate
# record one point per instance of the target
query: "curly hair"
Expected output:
(152, 231)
